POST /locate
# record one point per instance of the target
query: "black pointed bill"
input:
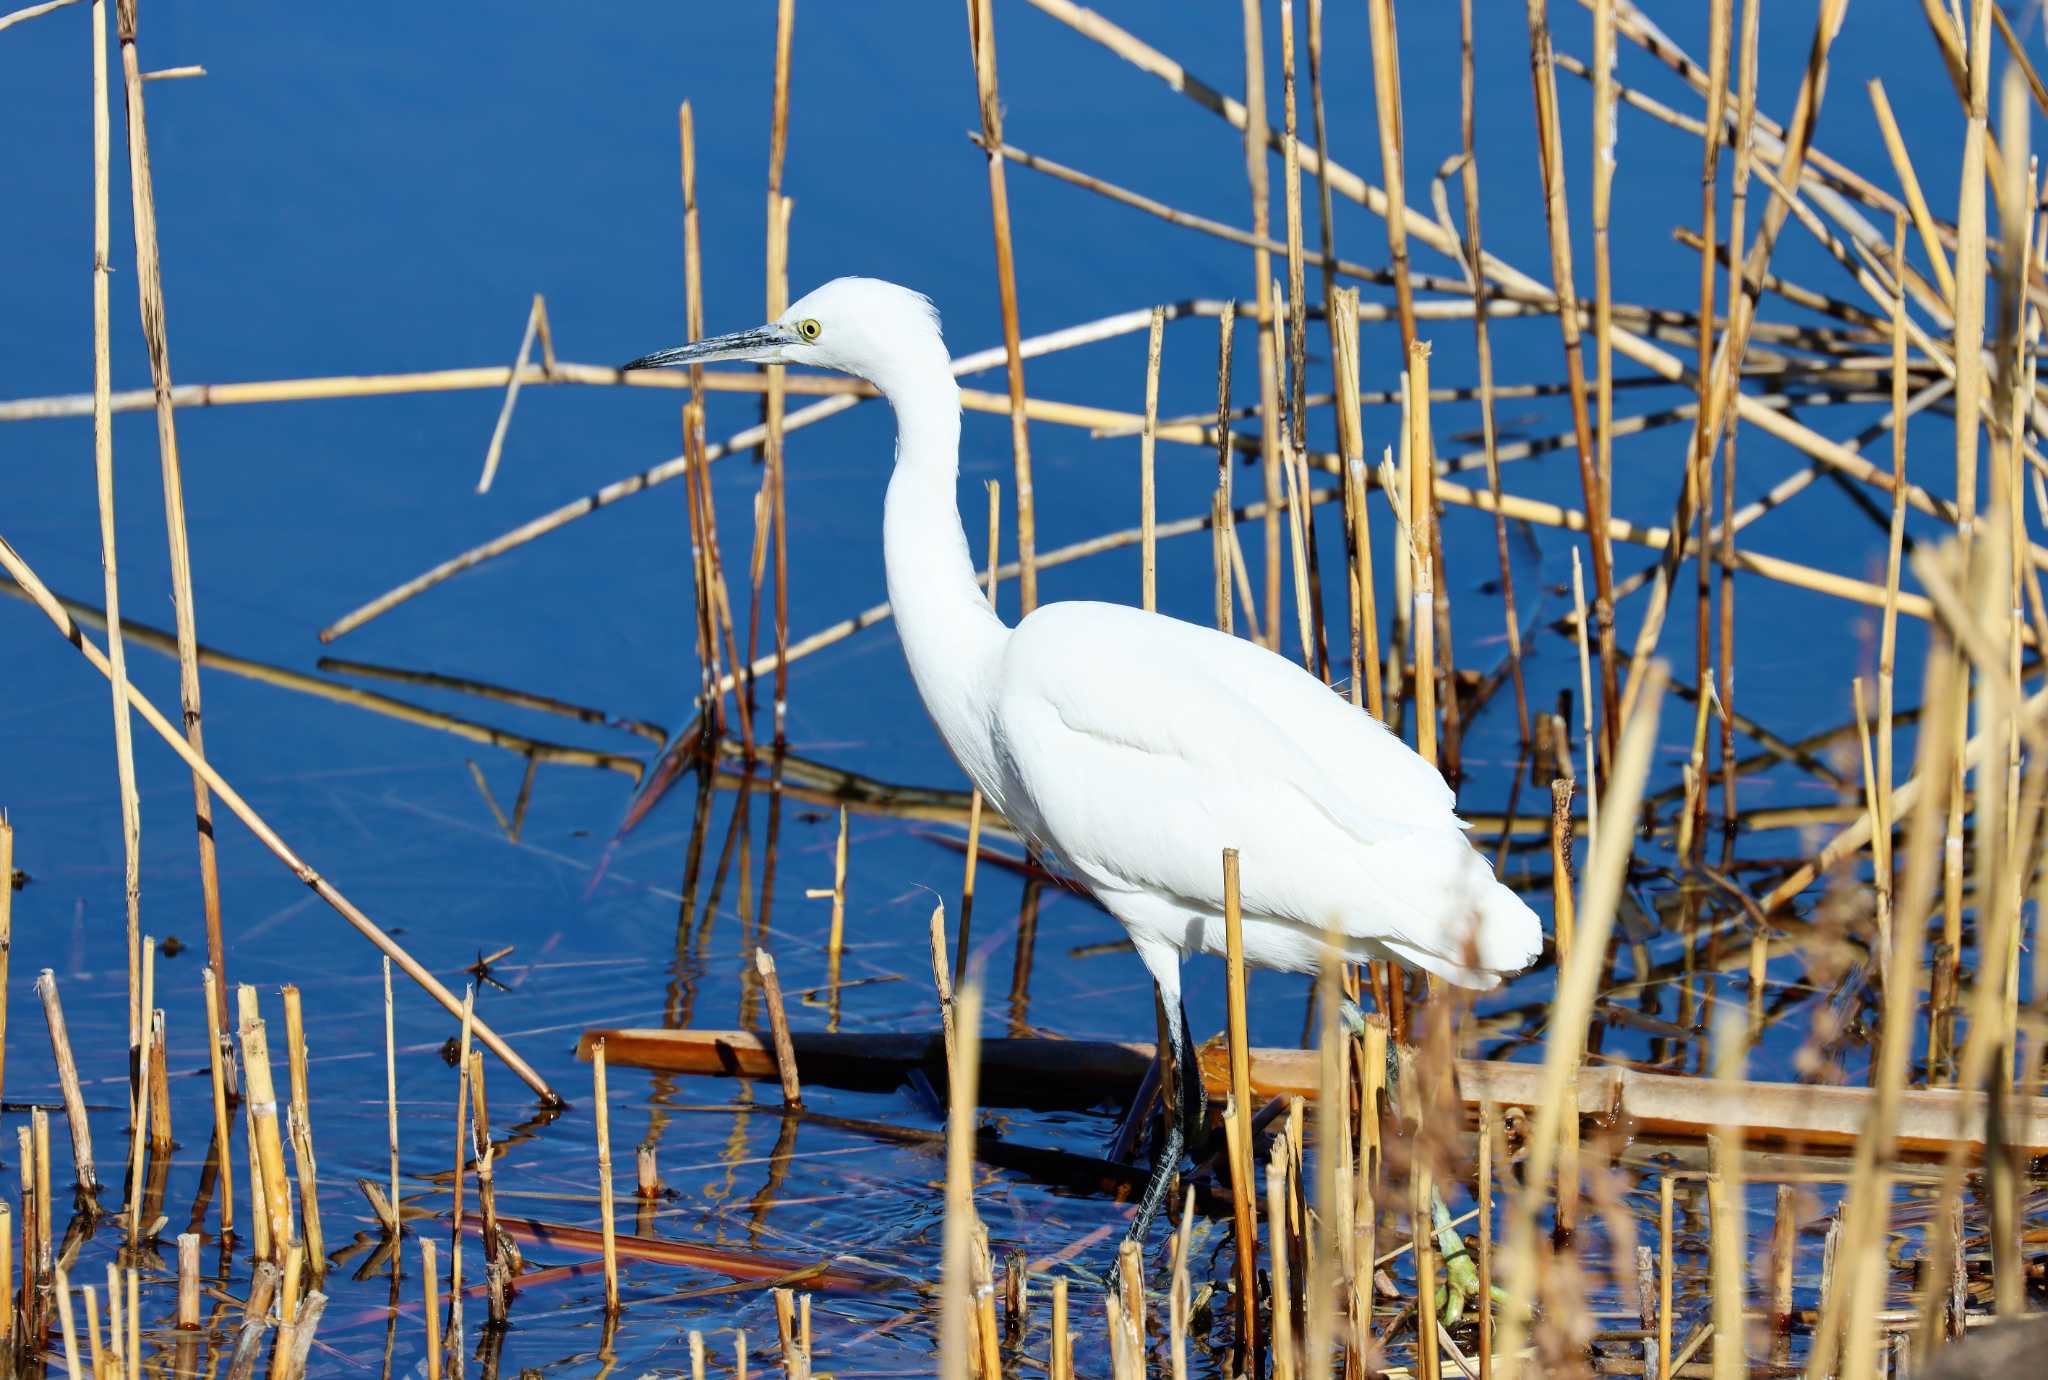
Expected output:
(765, 343)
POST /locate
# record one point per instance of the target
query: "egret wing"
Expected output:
(1138, 749)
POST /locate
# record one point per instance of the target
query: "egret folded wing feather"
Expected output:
(1148, 746)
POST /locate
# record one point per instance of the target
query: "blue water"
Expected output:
(380, 188)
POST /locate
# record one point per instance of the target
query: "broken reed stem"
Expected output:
(432, 1285)
(601, 1101)
(1148, 441)
(392, 1223)
(266, 1148)
(188, 1280)
(1238, 1114)
(956, 1307)
(299, 1124)
(138, 1143)
(944, 985)
(67, 1081)
(223, 1141)
(535, 316)
(1561, 866)
(981, 33)
(778, 1026)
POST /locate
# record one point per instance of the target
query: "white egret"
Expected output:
(1135, 747)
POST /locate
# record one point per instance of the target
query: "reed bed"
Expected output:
(1431, 1204)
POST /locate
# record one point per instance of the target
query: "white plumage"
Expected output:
(1135, 747)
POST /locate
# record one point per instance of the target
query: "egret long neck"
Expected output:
(951, 638)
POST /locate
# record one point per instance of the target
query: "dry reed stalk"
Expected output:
(7, 1313)
(1237, 1115)
(1061, 1365)
(1386, 85)
(1473, 256)
(1420, 487)
(188, 1280)
(778, 1026)
(536, 318)
(1148, 440)
(391, 1223)
(1971, 263)
(1280, 1321)
(1308, 564)
(1585, 699)
(432, 1310)
(1258, 180)
(944, 985)
(1564, 1049)
(160, 1139)
(1550, 150)
(132, 1353)
(1428, 1356)
(216, 1058)
(288, 1311)
(92, 1332)
(138, 1142)
(39, 1136)
(67, 1081)
(149, 289)
(1666, 1247)
(62, 1289)
(774, 375)
(1725, 1203)
(981, 33)
(981, 1277)
(601, 1103)
(1700, 471)
(24, 1307)
(1488, 1119)
(117, 1332)
(1916, 201)
(1365, 652)
(955, 1305)
(1223, 535)
(299, 1128)
(1605, 136)
(266, 1147)
(462, 1156)
(28, 12)
(39, 593)
(103, 468)
(1561, 866)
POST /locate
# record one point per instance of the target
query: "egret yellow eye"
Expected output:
(808, 329)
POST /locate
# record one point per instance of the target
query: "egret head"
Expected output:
(860, 326)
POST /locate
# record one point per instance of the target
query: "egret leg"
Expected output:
(1167, 1161)
(1194, 1099)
